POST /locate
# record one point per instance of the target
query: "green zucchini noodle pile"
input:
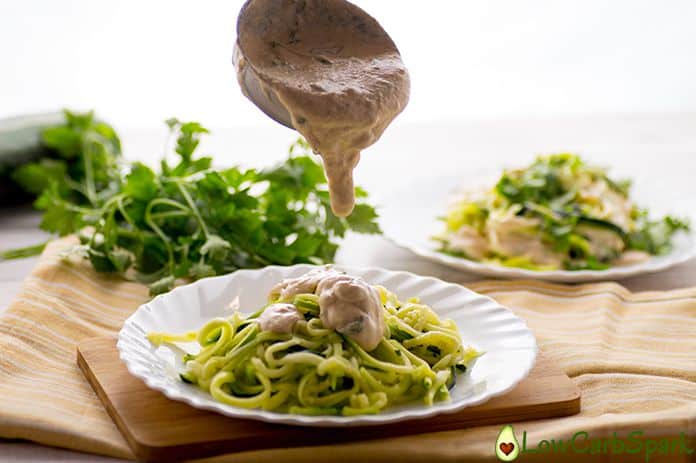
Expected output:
(318, 371)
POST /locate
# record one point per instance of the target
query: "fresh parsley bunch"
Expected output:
(186, 219)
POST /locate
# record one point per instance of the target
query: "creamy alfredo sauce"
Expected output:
(279, 318)
(347, 304)
(352, 307)
(336, 71)
(307, 283)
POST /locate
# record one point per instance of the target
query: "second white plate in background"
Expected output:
(409, 218)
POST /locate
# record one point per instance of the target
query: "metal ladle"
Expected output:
(252, 84)
(252, 88)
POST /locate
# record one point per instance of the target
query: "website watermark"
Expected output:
(508, 447)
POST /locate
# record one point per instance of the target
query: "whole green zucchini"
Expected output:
(21, 143)
(20, 138)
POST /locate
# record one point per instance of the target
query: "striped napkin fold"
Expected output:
(633, 355)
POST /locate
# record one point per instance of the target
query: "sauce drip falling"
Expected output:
(336, 72)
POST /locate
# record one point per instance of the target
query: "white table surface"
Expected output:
(659, 151)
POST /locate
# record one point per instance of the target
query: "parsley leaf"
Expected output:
(140, 183)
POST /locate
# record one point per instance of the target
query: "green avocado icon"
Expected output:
(506, 447)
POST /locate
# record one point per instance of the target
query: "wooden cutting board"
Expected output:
(159, 429)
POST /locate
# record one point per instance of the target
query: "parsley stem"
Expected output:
(90, 188)
(74, 185)
(125, 214)
(74, 208)
(21, 253)
(170, 202)
(168, 214)
(163, 236)
(194, 209)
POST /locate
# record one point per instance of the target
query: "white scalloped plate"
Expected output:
(510, 347)
(409, 218)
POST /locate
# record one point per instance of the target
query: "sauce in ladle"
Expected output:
(334, 69)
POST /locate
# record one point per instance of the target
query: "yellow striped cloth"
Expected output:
(633, 355)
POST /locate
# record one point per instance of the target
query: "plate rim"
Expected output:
(650, 266)
(125, 353)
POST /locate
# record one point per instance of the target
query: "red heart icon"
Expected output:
(507, 447)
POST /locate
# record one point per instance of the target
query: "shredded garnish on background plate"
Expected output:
(558, 213)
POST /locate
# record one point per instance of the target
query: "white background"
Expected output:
(141, 61)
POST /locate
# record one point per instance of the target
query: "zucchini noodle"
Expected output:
(318, 371)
